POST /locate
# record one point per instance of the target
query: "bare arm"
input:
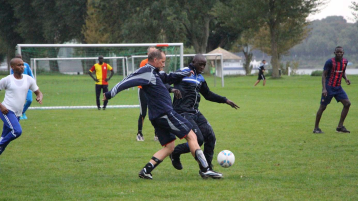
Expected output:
(3, 109)
(346, 78)
(95, 79)
(324, 90)
(38, 96)
(107, 79)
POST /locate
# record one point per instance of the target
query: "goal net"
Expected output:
(62, 71)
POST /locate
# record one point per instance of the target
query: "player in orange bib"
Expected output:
(101, 79)
(143, 102)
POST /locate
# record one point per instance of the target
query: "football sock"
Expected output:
(199, 156)
(148, 167)
(157, 161)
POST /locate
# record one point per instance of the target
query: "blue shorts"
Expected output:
(337, 92)
(170, 126)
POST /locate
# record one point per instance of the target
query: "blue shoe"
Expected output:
(24, 116)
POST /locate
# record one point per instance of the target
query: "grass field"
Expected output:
(92, 155)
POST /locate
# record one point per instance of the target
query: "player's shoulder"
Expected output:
(185, 69)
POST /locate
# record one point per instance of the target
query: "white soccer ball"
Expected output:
(226, 158)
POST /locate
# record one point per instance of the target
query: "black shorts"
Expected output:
(261, 77)
(170, 126)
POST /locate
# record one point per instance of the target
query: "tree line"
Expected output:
(273, 26)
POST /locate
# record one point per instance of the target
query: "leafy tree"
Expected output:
(278, 16)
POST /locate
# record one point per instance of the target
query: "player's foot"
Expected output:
(155, 138)
(24, 116)
(104, 108)
(342, 130)
(140, 137)
(144, 175)
(317, 131)
(210, 173)
(176, 161)
(99, 108)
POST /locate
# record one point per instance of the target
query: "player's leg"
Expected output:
(167, 141)
(27, 104)
(264, 79)
(143, 112)
(343, 98)
(323, 105)
(209, 138)
(184, 147)
(105, 89)
(11, 129)
(98, 93)
(256, 82)
(346, 105)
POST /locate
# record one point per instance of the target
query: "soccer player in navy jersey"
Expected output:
(334, 70)
(167, 123)
(187, 105)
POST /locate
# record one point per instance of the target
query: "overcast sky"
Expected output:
(335, 7)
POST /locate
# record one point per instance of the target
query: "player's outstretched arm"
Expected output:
(232, 104)
(39, 96)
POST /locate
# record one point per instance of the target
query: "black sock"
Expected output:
(148, 167)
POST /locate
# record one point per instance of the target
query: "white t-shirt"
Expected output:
(16, 91)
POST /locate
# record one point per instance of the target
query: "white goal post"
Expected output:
(180, 45)
(192, 55)
(34, 61)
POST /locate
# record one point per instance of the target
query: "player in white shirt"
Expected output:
(16, 87)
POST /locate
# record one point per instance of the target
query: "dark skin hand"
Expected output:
(176, 93)
(232, 104)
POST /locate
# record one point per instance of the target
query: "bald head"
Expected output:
(199, 62)
(15, 60)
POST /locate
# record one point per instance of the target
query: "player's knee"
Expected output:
(200, 140)
(191, 136)
(170, 147)
(347, 104)
(17, 132)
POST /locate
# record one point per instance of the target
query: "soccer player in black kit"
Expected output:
(261, 75)
(188, 106)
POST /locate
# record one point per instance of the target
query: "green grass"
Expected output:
(92, 155)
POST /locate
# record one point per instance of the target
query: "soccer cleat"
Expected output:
(99, 108)
(104, 108)
(144, 175)
(155, 138)
(317, 131)
(176, 161)
(210, 173)
(342, 130)
(24, 116)
(140, 137)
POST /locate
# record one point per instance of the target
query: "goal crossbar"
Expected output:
(216, 55)
(34, 61)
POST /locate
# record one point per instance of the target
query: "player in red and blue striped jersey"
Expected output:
(333, 72)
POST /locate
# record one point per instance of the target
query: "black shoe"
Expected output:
(317, 131)
(104, 108)
(210, 173)
(99, 108)
(342, 130)
(144, 175)
(176, 161)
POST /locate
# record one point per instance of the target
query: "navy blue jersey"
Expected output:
(335, 69)
(152, 82)
(191, 87)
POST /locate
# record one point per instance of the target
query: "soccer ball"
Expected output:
(226, 158)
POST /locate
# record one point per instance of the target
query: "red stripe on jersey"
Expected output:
(334, 64)
(336, 74)
(104, 74)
